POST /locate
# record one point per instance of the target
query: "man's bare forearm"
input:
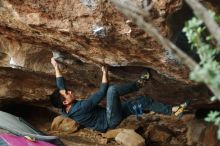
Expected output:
(104, 75)
(57, 72)
(56, 67)
(59, 81)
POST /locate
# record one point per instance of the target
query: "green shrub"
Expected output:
(208, 69)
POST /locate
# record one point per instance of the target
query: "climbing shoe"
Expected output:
(143, 79)
(181, 108)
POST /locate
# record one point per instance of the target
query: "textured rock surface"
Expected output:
(129, 137)
(158, 134)
(88, 34)
(201, 133)
(156, 129)
(175, 132)
(61, 123)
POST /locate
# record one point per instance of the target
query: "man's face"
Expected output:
(68, 97)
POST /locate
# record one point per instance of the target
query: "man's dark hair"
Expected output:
(56, 99)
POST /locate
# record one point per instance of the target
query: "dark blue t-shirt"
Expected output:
(87, 112)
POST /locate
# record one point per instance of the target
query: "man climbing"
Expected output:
(89, 114)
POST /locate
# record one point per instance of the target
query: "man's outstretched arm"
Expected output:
(59, 77)
(95, 98)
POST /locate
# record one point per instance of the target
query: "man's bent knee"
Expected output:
(112, 90)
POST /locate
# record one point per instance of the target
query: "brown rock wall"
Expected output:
(88, 34)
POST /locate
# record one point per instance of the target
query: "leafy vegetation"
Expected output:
(208, 69)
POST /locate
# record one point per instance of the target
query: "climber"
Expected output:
(89, 114)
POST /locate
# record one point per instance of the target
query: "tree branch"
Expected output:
(152, 31)
(201, 12)
(125, 9)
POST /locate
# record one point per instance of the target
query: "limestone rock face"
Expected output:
(83, 35)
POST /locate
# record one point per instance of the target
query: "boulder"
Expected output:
(129, 137)
(202, 133)
(112, 133)
(158, 134)
(64, 124)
